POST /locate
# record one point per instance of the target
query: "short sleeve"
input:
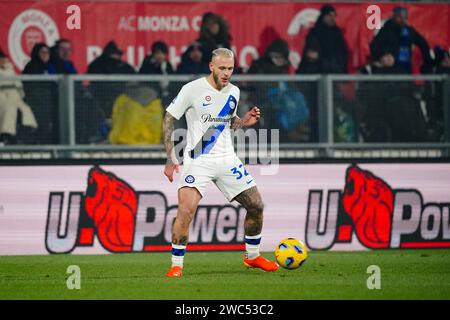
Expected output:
(237, 102)
(180, 103)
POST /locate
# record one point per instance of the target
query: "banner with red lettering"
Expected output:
(87, 209)
(136, 25)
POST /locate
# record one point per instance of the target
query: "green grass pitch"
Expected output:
(405, 274)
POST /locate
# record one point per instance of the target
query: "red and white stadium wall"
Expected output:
(136, 25)
(84, 209)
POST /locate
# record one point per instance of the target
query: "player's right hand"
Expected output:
(169, 169)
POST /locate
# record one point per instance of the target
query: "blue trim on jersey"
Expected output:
(208, 143)
(253, 241)
(178, 252)
(229, 107)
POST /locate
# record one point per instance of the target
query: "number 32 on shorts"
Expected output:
(238, 171)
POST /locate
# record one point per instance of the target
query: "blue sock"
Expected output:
(178, 252)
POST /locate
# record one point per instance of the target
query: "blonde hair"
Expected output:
(224, 52)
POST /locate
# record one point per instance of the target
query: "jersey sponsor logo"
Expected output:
(208, 101)
(209, 139)
(190, 179)
(207, 117)
(380, 216)
(126, 220)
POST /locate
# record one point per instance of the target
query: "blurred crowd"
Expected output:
(131, 113)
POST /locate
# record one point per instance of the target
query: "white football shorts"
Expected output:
(227, 172)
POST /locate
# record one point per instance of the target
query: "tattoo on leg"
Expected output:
(251, 200)
(182, 240)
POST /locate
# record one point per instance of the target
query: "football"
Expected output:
(291, 253)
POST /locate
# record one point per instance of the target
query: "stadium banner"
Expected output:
(136, 25)
(82, 209)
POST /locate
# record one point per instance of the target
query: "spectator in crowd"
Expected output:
(391, 110)
(104, 93)
(213, 34)
(16, 117)
(192, 61)
(384, 65)
(157, 62)
(325, 48)
(60, 57)
(274, 61)
(398, 37)
(110, 62)
(42, 96)
(285, 106)
(310, 63)
(433, 95)
(137, 116)
(40, 61)
(441, 61)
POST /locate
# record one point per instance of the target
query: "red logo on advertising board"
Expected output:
(112, 204)
(126, 220)
(369, 201)
(381, 217)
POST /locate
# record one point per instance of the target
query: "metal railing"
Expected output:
(327, 98)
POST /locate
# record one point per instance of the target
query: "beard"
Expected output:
(216, 81)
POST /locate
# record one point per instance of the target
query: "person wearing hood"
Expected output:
(326, 45)
(192, 61)
(13, 110)
(40, 61)
(104, 93)
(157, 62)
(213, 34)
(398, 37)
(110, 62)
(274, 61)
(60, 56)
(42, 96)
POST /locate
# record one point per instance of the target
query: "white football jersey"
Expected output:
(208, 114)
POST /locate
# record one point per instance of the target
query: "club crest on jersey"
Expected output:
(232, 105)
(189, 179)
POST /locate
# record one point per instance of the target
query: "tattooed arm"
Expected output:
(172, 162)
(248, 120)
(237, 123)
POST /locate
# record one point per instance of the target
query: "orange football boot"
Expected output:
(261, 263)
(175, 271)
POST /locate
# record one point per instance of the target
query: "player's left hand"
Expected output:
(252, 116)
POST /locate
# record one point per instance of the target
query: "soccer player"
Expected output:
(210, 104)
